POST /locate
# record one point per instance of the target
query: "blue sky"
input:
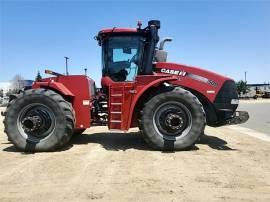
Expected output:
(228, 37)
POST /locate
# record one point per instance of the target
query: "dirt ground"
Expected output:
(109, 166)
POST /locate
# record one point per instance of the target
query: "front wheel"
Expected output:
(172, 120)
(39, 120)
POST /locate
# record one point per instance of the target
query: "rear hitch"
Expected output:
(238, 118)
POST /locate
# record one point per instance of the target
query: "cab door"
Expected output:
(121, 61)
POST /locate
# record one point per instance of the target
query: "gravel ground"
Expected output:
(107, 166)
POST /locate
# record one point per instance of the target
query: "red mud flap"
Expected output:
(238, 118)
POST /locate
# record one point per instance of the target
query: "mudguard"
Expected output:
(141, 89)
(206, 82)
(76, 89)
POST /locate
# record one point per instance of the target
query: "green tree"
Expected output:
(38, 77)
(242, 87)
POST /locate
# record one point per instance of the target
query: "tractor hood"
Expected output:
(206, 82)
(195, 73)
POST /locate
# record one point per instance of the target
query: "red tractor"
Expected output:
(170, 103)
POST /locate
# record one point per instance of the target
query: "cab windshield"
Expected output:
(121, 57)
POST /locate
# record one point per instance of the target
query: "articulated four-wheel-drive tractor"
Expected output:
(170, 103)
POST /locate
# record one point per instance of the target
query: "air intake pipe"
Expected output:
(152, 40)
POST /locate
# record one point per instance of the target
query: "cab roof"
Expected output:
(118, 30)
(104, 33)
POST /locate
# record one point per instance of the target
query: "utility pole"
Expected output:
(66, 65)
(85, 71)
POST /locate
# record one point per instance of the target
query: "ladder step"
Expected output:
(116, 95)
(116, 103)
(116, 112)
(115, 121)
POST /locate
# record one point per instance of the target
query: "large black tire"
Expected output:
(39, 120)
(172, 120)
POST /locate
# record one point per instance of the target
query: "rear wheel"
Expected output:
(172, 120)
(39, 120)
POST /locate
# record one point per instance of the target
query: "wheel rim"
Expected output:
(36, 121)
(172, 120)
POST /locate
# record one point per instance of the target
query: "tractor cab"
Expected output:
(127, 53)
(122, 57)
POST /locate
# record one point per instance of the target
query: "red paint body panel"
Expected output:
(123, 97)
(198, 85)
(143, 83)
(119, 102)
(125, 100)
(194, 78)
(77, 88)
(55, 85)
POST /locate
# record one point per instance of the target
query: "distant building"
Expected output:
(4, 100)
(256, 90)
(27, 83)
(5, 86)
(259, 87)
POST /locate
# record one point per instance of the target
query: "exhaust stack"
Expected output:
(160, 54)
(163, 41)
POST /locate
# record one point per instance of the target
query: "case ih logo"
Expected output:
(175, 72)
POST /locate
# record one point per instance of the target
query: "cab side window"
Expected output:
(121, 57)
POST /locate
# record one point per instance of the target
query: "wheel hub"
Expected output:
(174, 121)
(36, 121)
(30, 124)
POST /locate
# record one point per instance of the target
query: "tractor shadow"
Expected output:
(112, 141)
(120, 141)
(214, 142)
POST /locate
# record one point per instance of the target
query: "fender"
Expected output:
(54, 85)
(206, 82)
(143, 90)
(78, 90)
